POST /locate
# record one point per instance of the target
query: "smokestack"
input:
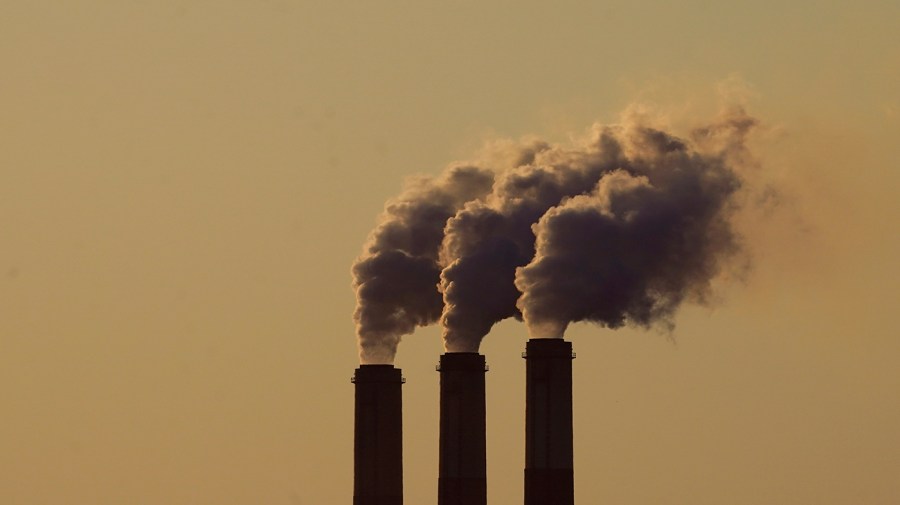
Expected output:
(378, 432)
(462, 476)
(549, 476)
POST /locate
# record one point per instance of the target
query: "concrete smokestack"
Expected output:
(462, 476)
(378, 432)
(549, 476)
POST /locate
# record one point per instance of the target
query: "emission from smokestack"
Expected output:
(462, 471)
(620, 227)
(378, 432)
(549, 475)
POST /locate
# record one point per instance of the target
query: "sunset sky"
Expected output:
(184, 186)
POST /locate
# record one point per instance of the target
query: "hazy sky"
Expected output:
(185, 185)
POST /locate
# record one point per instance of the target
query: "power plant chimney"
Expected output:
(377, 436)
(462, 474)
(549, 478)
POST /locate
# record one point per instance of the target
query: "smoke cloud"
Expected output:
(396, 277)
(620, 228)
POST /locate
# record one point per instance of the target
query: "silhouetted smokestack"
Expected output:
(462, 476)
(378, 431)
(548, 423)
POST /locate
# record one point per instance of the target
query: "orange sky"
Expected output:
(185, 185)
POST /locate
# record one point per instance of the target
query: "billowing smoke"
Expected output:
(396, 277)
(486, 241)
(645, 239)
(619, 229)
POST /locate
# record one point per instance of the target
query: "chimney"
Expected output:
(548, 422)
(462, 474)
(377, 437)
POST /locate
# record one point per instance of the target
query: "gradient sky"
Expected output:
(183, 186)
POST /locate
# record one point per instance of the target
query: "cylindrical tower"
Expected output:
(549, 478)
(462, 478)
(378, 436)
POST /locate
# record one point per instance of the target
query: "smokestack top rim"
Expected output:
(548, 348)
(378, 373)
(462, 361)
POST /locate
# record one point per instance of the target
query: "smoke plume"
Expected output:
(620, 228)
(396, 277)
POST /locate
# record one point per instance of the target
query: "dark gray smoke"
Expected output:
(486, 241)
(633, 249)
(629, 224)
(396, 277)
